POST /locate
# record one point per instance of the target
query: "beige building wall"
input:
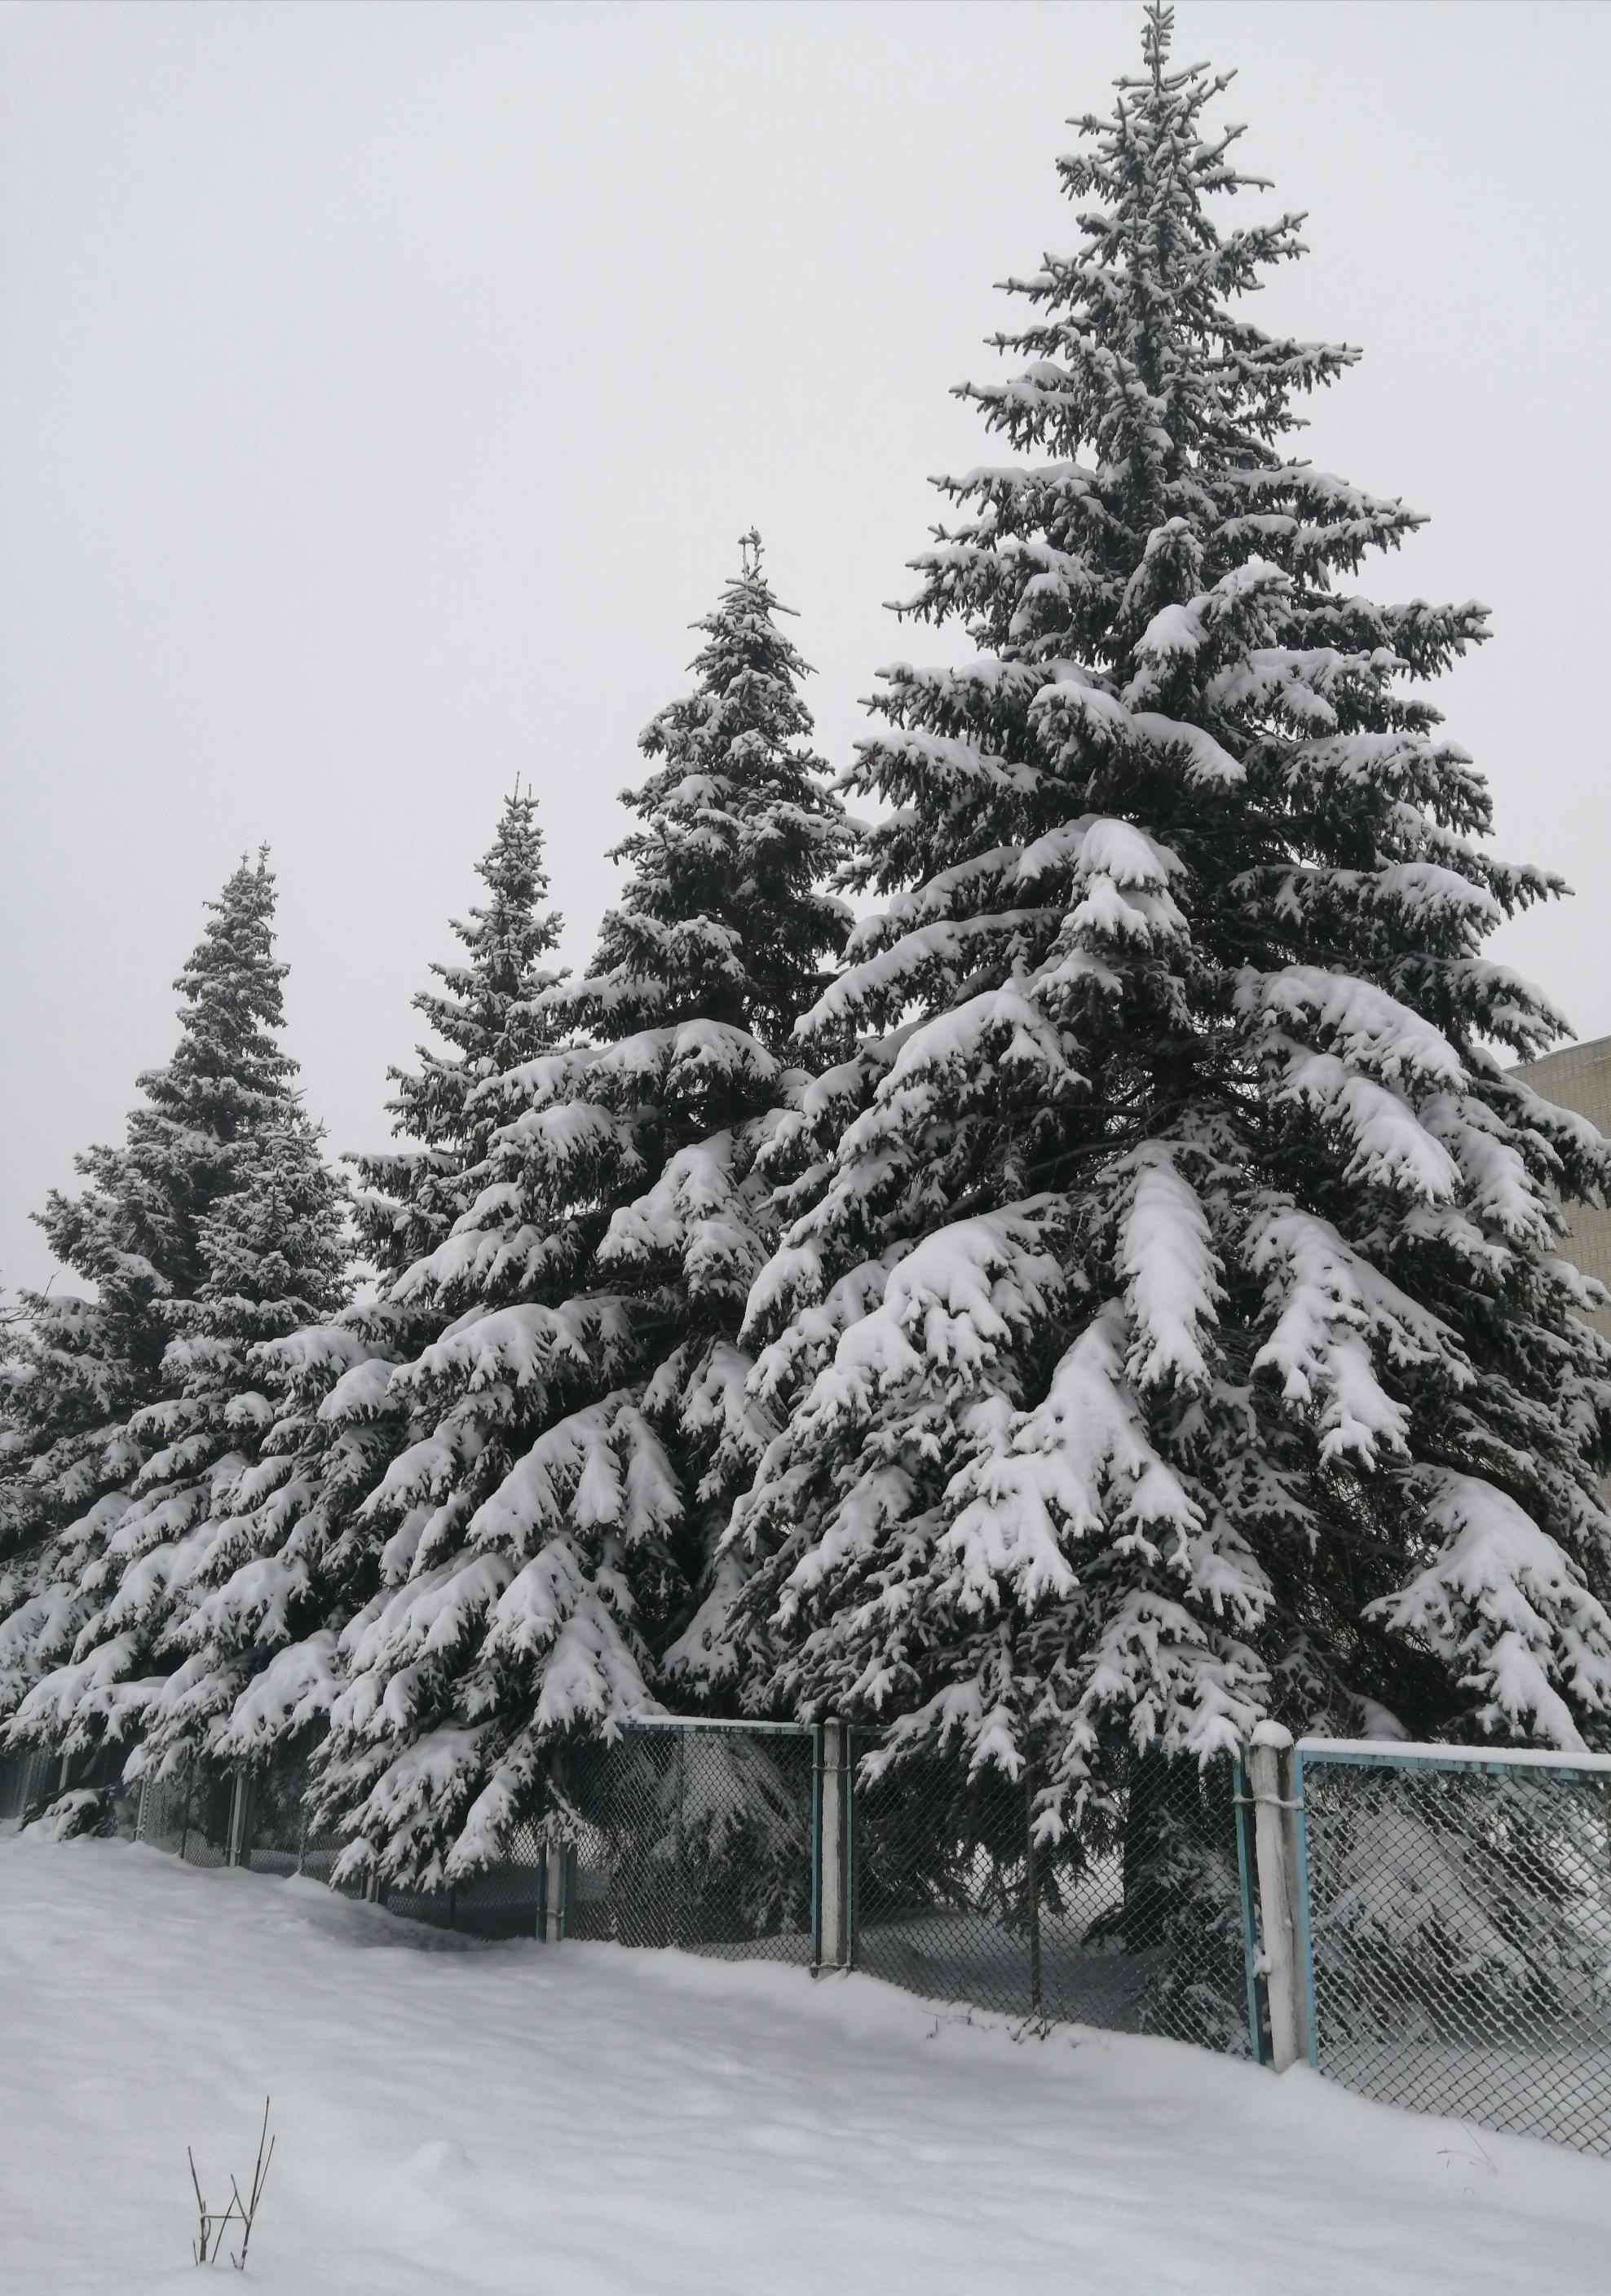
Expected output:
(1579, 1077)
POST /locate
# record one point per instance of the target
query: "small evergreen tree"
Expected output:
(87, 1366)
(549, 1524)
(1172, 1329)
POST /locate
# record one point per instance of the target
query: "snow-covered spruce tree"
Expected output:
(578, 1421)
(61, 1433)
(87, 1366)
(293, 1557)
(1171, 1330)
(274, 1253)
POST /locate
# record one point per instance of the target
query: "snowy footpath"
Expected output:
(579, 2121)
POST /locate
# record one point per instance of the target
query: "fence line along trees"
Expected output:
(87, 1433)
(1172, 1327)
(575, 1426)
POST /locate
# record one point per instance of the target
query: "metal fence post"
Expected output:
(553, 1889)
(833, 1833)
(552, 1905)
(1297, 1842)
(816, 1847)
(679, 1846)
(852, 1846)
(568, 1859)
(140, 1806)
(1269, 1768)
(240, 1788)
(1241, 1803)
(1032, 1886)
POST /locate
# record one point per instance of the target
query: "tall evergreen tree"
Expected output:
(294, 1553)
(1171, 1329)
(273, 1251)
(548, 1525)
(87, 1366)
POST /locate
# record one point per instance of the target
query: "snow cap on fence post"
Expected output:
(1270, 1774)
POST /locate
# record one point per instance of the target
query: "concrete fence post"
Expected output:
(552, 1888)
(832, 1877)
(1269, 1776)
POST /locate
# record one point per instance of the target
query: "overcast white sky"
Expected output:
(382, 391)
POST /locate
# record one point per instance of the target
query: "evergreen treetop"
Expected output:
(86, 1367)
(724, 917)
(486, 1014)
(135, 1231)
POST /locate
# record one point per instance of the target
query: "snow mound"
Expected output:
(583, 2118)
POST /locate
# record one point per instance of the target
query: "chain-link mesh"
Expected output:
(1136, 1920)
(279, 1835)
(1460, 1940)
(27, 1781)
(82, 1792)
(211, 1797)
(14, 1788)
(501, 1901)
(187, 1812)
(274, 1836)
(504, 1899)
(116, 1807)
(322, 1846)
(698, 1836)
(165, 1812)
(434, 1908)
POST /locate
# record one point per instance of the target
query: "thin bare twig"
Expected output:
(206, 2249)
(197, 2248)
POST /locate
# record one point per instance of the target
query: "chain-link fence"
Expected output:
(1451, 1906)
(697, 1835)
(502, 1900)
(1138, 1918)
(275, 1836)
(701, 1835)
(189, 1812)
(86, 1792)
(27, 1782)
(1459, 1948)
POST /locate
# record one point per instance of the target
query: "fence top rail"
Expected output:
(1395, 1754)
(710, 1722)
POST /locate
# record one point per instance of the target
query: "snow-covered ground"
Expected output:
(579, 2121)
